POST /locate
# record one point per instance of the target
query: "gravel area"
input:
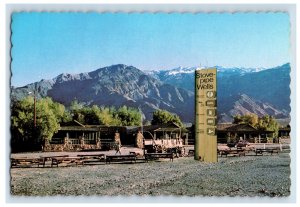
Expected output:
(267, 175)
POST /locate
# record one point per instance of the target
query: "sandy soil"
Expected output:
(267, 175)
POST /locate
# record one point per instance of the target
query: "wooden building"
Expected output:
(235, 132)
(284, 132)
(86, 137)
(79, 137)
(165, 131)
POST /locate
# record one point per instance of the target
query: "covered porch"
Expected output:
(236, 132)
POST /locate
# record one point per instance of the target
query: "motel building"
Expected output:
(228, 132)
(77, 136)
(234, 132)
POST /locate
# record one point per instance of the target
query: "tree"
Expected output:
(262, 123)
(76, 110)
(91, 115)
(129, 116)
(108, 117)
(48, 117)
(251, 119)
(124, 116)
(75, 106)
(268, 123)
(22, 120)
(163, 117)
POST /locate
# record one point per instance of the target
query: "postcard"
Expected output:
(150, 104)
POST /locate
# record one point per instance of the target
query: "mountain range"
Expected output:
(240, 90)
(116, 85)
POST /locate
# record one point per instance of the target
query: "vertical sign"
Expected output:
(206, 115)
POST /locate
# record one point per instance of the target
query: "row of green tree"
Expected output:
(266, 123)
(123, 116)
(95, 115)
(51, 115)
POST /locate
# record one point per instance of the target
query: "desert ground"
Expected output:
(265, 176)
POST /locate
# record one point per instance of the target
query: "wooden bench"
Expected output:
(92, 158)
(67, 160)
(238, 151)
(260, 151)
(23, 162)
(120, 158)
(223, 152)
(152, 156)
(43, 159)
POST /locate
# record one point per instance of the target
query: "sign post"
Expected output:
(206, 115)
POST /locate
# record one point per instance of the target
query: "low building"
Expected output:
(284, 132)
(86, 137)
(80, 137)
(235, 132)
(96, 137)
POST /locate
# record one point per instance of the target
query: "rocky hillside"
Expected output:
(241, 90)
(116, 85)
(243, 104)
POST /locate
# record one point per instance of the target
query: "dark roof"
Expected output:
(166, 129)
(224, 126)
(78, 128)
(287, 128)
(89, 128)
(162, 127)
(239, 128)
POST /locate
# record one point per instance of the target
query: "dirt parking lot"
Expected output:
(267, 175)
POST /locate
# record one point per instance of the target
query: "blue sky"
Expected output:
(47, 44)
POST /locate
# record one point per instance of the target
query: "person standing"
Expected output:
(118, 147)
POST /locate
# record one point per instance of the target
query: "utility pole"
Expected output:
(34, 115)
(141, 112)
(142, 130)
(142, 127)
(34, 107)
(34, 94)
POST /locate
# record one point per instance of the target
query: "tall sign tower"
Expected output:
(206, 115)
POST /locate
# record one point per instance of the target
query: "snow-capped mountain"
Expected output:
(240, 91)
(264, 85)
(161, 74)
